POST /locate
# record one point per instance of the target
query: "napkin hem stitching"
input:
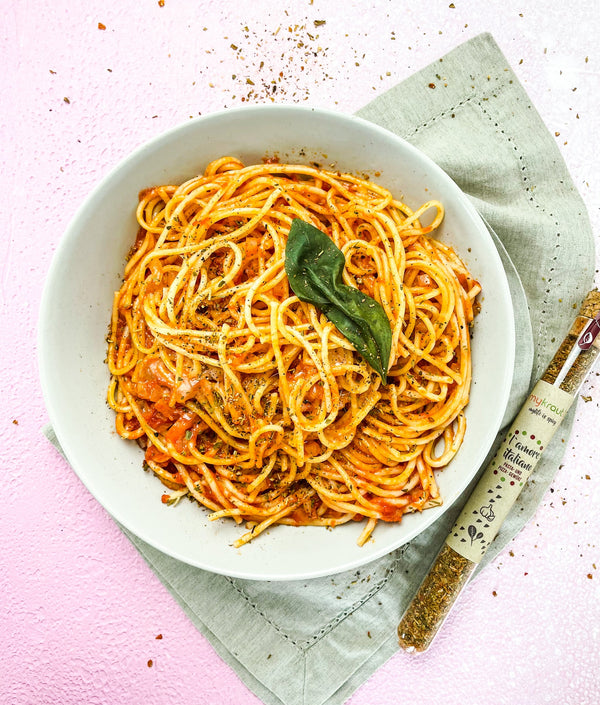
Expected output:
(306, 644)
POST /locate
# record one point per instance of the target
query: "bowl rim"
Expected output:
(70, 236)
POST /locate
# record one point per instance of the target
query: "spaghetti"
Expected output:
(250, 401)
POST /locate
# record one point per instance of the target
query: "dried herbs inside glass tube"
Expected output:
(503, 479)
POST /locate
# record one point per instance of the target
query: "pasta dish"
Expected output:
(249, 399)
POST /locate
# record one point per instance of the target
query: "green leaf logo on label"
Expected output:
(314, 267)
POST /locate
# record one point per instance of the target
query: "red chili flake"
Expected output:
(165, 497)
(16, 423)
(432, 85)
(101, 26)
(589, 576)
(158, 636)
(150, 663)
(161, 3)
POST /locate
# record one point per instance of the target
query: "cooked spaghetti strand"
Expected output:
(248, 400)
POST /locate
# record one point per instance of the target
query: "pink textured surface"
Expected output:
(80, 609)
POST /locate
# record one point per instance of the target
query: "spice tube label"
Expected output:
(505, 476)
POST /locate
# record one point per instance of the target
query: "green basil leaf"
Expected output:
(314, 267)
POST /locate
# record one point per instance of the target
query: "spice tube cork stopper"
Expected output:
(591, 304)
(503, 479)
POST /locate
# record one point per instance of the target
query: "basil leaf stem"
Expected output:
(314, 267)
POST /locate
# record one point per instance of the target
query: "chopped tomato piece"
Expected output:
(178, 429)
(152, 369)
(156, 456)
(252, 245)
(152, 391)
(168, 412)
(389, 512)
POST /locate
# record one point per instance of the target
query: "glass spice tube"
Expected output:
(503, 479)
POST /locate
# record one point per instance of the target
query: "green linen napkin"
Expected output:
(315, 642)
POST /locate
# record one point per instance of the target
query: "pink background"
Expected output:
(80, 609)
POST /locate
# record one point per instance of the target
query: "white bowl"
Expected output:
(87, 269)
